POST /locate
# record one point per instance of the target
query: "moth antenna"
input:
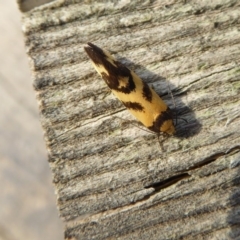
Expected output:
(174, 103)
(175, 108)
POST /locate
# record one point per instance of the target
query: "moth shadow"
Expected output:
(185, 121)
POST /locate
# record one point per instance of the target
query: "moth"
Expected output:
(139, 98)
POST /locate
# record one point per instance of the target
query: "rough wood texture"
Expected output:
(112, 178)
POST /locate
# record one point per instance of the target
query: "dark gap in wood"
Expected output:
(167, 182)
(214, 157)
(208, 160)
(233, 150)
(172, 180)
(200, 11)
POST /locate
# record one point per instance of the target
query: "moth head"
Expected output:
(167, 127)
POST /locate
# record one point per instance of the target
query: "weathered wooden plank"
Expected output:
(112, 178)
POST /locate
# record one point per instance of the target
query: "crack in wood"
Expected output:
(158, 186)
(167, 182)
(214, 157)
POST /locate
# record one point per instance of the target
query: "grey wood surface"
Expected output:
(27, 200)
(112, 178)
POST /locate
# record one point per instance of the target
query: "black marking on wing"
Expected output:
(95, 53)
(161, 118)
(114, 72)
(134, 105)
(146, 92)
(112, 80)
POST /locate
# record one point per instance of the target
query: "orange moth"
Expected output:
(140, 99)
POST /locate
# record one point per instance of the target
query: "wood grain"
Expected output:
(112, 178)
